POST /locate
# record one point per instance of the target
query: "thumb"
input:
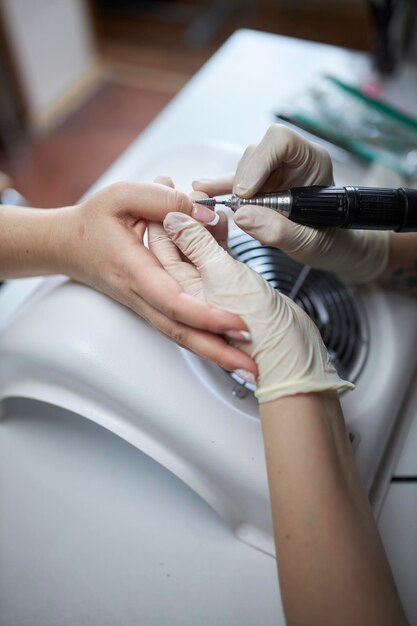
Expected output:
(273, 229)
(215, 186)
(194, 241)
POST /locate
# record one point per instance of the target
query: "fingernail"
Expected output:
(202, 213)
(248, 377)
(163, 180)
(202, 181)
(242, 188)
(238, 335)
(174, 222)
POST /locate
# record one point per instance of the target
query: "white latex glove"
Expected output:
(281, 160)
(285, 343)
(210, 346)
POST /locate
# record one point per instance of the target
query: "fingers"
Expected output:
(163, 293)
(215, 187)
(146, 200)
(240, 184)
(164, 180)
(294, 160)
(220, 230)
(279, 146)
(198, 195)
(274, 229)
(282, 159)
(194, 241)
(159, 243)
(204, 344)
(177, 266)
(161, 246)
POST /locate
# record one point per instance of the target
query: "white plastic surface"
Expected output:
(407, 464)
(101, 361)
(77, 349)
(398, 527)
(95, 533)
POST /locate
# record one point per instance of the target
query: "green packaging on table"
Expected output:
(367, 127)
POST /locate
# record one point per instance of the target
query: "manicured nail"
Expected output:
(164, 180)
(248, 377)
(202, 213)
(202, 181)
(238, 335)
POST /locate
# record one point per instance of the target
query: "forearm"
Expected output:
(401, 272)
(30, 241)
(331, 562)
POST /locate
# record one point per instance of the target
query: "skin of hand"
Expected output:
(331, 562)
(401, 274)
(284, 159)
(285, 344)
(99, 242)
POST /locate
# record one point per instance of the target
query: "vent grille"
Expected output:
(323, 296)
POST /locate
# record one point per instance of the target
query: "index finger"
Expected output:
(215, 187)
(148, 200)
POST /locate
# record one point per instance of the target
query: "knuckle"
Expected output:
(178, 201)
(170, 311)
(180, 335)
(279, 132)
(112, 197)
(284, 143)
(326, 165)
(226, 362)
(275, 233)
(118, 189)
(249, 151)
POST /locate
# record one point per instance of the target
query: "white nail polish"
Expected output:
(214, 221)
(248, 377)
(238, 335)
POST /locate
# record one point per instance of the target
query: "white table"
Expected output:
(230, 102)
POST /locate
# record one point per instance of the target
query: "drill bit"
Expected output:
(210, 202)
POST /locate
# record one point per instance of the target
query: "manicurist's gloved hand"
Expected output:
(284, 159)
(285, 344)
(99, 242)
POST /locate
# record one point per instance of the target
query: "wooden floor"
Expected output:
(56, 169)
(147, 62)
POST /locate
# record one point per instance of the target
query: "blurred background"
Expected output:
(82, 78)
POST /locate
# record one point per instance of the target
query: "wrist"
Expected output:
(62, 233)
(306, 426)
(323, 403)
(32, 241)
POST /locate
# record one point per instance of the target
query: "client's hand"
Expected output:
(109, 254)
(284, 159)
(286, 345)
(100, 243)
